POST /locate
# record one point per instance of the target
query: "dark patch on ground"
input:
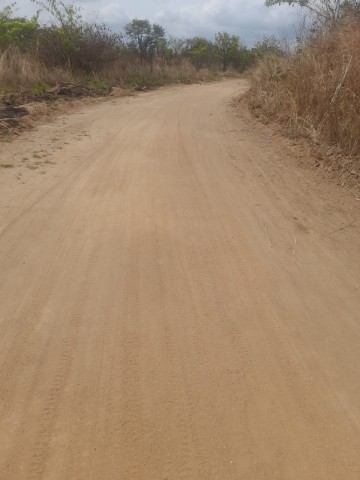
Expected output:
(8, 112)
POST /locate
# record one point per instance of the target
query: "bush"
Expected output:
(17, 32)
(316, 91)
(19, 71)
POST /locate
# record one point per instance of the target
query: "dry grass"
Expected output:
(131, 74)
(316, 92)
(23, 71)
(19, 71)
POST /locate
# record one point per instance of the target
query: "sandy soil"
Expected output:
(178, 299)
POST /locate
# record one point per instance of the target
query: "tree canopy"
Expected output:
(326, 12)
(227, 47)
(146, 38)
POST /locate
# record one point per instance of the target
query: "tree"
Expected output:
(175, 49)
(158, 43)
(226, 46)
(200, 52)
(176, 45)
(68, 39)
(66, 27)
(147, 39)
(327, 13)
(268, 46)
(139, 33)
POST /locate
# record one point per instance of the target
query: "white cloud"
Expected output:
(249, 19)
(113, 13)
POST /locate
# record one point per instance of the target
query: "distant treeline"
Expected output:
(70, 43)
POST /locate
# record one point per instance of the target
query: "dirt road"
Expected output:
(178, 299)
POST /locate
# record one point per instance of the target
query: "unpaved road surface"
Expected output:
(178, 299)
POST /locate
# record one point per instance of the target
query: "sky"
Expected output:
(249, 19)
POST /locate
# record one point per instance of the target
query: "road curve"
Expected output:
(177, 301)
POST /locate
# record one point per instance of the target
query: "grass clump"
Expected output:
(314, 91)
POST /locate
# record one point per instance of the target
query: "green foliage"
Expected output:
(40, 89)
(6, 91)
(200, 52)
(15, 31)
(159, 43)
(146, 39)
(227, 48)
(71, 41)
(268, 46)
(244, 59)
(139, 34)
(213, 74)
(100, 87)
(66, 28)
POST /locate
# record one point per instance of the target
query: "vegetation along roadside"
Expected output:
(311, 89)
(59, 54)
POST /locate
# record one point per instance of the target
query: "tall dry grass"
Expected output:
(134, 73)
(24, 71)
(316, 91)
(20, 70)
